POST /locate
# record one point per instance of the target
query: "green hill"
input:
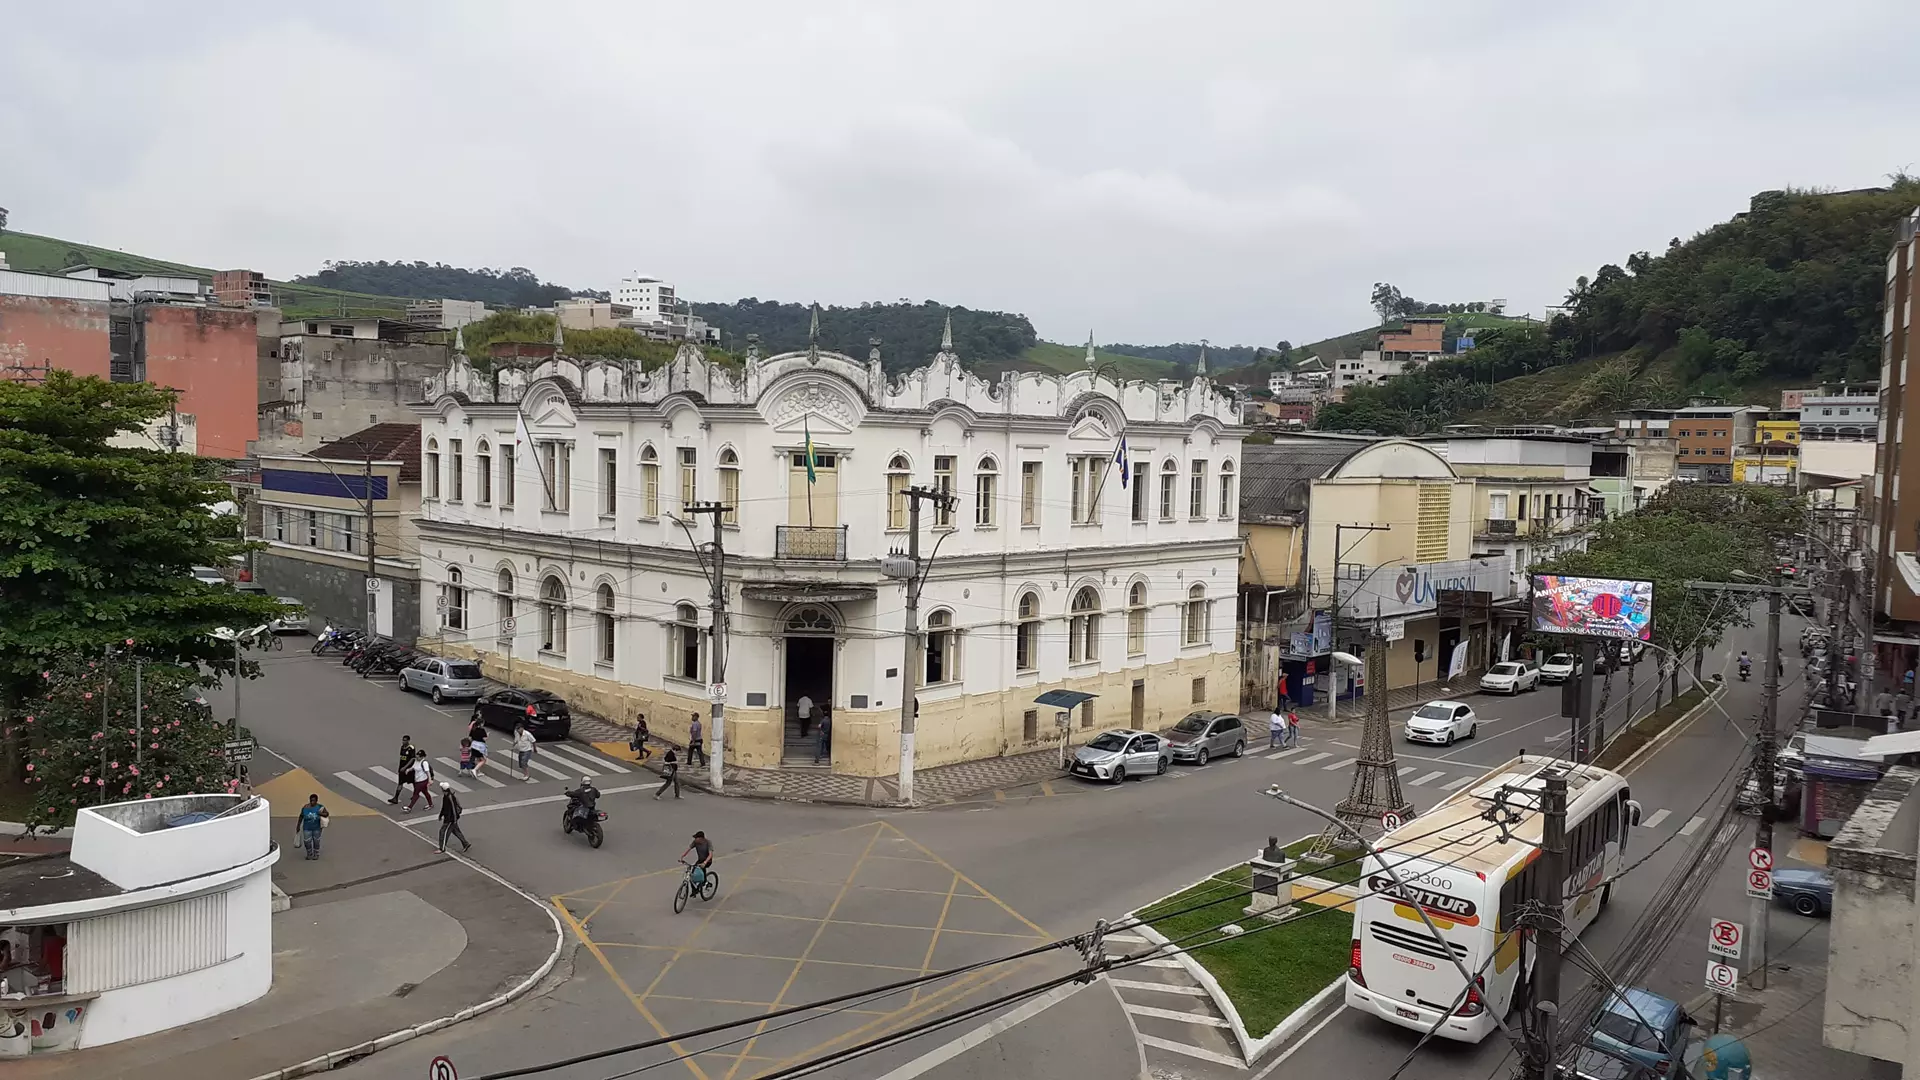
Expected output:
(48, 255)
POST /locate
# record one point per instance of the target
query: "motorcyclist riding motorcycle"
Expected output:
(582, 803)
(1746, 664)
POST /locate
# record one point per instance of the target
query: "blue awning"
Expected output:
(1063, 699)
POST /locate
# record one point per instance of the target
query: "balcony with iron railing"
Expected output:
(811, 543)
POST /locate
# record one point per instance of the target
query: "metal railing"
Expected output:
(818, 542)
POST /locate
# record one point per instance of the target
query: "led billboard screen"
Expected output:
(1593, 607)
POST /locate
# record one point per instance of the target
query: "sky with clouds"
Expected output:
(1155, 172)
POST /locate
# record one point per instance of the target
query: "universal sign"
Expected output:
(1413, 588)
(1452, 908)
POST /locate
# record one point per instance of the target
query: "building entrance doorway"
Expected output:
(810, 654)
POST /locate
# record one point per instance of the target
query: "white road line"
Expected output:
(1341, 764)
(533, 763)
(939, 1056)
(1655, 818)
(1456, 785)
(385, 773)
(1404, 773)
(1284, 754)
(1427, 779)
(1162, 963)
(1165, 988)
(1689, 827)
(1199, 1019)
(576, 754)
(1322, 756)
(453, 766)
(1172, 1047)
(537, 800)
(487, 780)
(377, 793)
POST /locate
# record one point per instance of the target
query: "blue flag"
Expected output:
(1120, 456)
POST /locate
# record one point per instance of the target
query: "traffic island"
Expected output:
(1641, 733)
(1268, 976)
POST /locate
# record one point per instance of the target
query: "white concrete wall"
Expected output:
(134, 860)
(133, 1011)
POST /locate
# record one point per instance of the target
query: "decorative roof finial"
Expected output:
(459, 341)
(1090, 359)
(753, 348)
(813, 335)
(946, 335)
(1200, 365)
(559, 334)
(873, 350)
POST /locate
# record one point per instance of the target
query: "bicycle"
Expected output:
(709, 885)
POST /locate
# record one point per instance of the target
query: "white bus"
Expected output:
(1474, 886)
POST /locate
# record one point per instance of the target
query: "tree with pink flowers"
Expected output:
(86, 742)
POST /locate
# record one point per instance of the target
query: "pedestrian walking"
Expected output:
(823, 747)
(422, 777)
(804, 707)
(1280, 693)
(1276, 729)
(1293, 730)
(523, 745)
(669, 774)
(313, 821)
(695, 746)
(400, 770)
(479, 747)
(1882, 703)
(450, 810)
(466, 757)
(638, 743)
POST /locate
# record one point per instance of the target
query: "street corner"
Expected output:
(795, 922)
(1056, 787)
(287, 792)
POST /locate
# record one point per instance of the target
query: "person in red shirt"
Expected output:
(53, 953)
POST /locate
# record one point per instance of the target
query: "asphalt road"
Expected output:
(821, 900)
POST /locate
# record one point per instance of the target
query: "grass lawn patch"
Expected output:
(1273, 968)
(1625, 744)
(1343, 870)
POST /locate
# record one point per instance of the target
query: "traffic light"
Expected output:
(1419, 651)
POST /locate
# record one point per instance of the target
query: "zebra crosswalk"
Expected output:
(560, 762)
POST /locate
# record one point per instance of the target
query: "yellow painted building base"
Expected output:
(866, 742)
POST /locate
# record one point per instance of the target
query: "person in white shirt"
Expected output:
(1276, 729)
(523, 744)
(805, 708)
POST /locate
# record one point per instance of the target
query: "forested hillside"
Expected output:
(517, 287)
(1785, 293)
(909, 333)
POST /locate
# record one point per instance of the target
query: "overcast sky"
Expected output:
(1151, 171)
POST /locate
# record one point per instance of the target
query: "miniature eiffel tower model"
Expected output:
(1376, 782)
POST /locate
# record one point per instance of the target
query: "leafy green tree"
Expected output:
(518, 287)
(88, 743)
(98, 542)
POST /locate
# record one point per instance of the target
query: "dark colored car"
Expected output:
(1808, 892)
(1640, 1026)
(545, 714)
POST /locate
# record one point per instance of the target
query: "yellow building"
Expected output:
(1774, 456)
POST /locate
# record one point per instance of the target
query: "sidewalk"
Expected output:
(384, 934)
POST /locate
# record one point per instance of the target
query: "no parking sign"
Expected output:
(441, 1068)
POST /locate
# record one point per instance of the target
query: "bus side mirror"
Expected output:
(1633, 813)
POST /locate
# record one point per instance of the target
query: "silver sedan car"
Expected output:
(442, 679)
(1116, 755)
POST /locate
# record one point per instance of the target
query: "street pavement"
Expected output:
(818, 900)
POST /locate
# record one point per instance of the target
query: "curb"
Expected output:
(351, 1054)
(22, 831)
(1251, 1048)
(1680, 723)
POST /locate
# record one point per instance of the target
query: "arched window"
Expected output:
(553, 616)
(986, 488)
(730, 486)
(649, 482)
(483, 472)
(432, 468)
(899, 473)
(1083, 627)
(1198, 632)
(455, 592)
(603, 618)
(1227, 507)
(503, 605)
(1026, 636)
(943, 649)
(1137, 618)
(1169, 477)
(686, 642)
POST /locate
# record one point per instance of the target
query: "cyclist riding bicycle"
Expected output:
(702, 851)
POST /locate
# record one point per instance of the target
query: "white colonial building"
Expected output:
(1050, 573)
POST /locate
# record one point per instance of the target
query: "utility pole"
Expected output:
(1546, 934)
(1583, 675)
(373, 570)
(716, 646)
(1333, 690)
(914, 574)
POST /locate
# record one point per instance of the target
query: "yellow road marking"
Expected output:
(615, 891)
(287, 793)
(976, 886)
(926, 962)
(705, 921)
(1046, 788)
(583, 893)
(999, 796)
(758, 956)
(817, 933)
(638, 1005)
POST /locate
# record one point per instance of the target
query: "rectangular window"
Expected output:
(897, 499)
(1719, 451)
(433, 474)
(1084, 472)
(650, 487)
(1030, 725)
(507, 453)
(1197, 494)
(943, 483)
(689, 474)
(340, 330)
(311, 519)
(456, 470)
(1029, 493)
(557, 465)
(984, 494)
(1200, 690)
(1497, 506)
(279, 524)
(1138, 481)
(483, 475)
(609, 481)
(1167, 481)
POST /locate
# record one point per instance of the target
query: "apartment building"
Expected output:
(1842, 412)
(651, 299)
(1894, 501)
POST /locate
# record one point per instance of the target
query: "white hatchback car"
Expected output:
(1558, 668)
(1442, 722)
(1510, 677)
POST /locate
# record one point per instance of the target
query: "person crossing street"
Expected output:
(696, 747)
(421, 774)
(312, 822)
(450, 810)
(406, 763)
(669, 774)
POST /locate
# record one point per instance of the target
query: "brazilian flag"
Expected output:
(810, 457)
